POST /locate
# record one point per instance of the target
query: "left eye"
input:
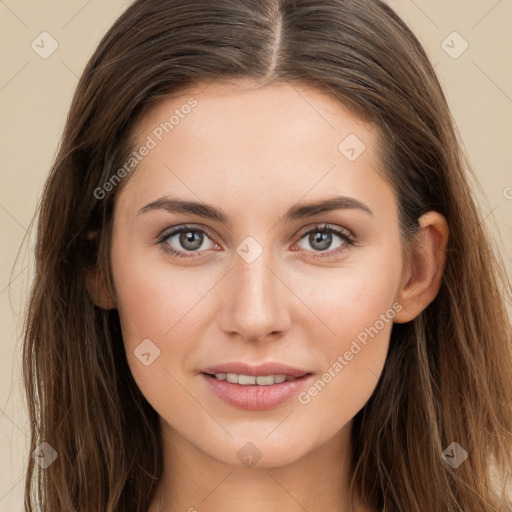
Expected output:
(321, 238)
(189, 239)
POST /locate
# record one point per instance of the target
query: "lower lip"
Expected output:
(256, 398)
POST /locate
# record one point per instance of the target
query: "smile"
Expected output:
(255, 393)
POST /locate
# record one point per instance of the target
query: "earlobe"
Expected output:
(422, 280)
(98, 290)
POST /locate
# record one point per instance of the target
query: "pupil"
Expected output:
(323, 240)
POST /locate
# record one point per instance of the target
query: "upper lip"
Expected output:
(271, 368)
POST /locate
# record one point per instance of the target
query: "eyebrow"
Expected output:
(294, 213)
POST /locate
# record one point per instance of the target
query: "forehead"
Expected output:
(278, 113)
(261, 143)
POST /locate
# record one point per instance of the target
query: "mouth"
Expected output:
(255, 388)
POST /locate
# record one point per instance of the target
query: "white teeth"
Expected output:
(250, 380)
(246, 380)
(268, 380)
(232, 377)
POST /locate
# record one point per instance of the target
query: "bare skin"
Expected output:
(254, 152)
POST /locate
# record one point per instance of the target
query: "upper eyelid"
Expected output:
(180, 228)
(324, 226)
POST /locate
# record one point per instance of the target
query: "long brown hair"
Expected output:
(448, 374)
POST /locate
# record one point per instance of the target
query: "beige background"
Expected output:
(35, 94)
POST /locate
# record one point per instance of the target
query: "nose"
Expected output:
(257, 301)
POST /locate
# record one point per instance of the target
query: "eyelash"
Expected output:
(348, 240)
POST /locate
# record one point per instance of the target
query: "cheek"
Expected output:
(353, 296)
(151, 297)
(158, 308)
(158, 314)
(357, 307)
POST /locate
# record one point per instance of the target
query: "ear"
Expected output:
(422, 275)
(98, 290)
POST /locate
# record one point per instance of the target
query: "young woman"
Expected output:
(262, 281)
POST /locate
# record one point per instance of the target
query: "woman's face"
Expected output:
(255, 276)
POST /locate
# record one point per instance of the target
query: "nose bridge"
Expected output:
(257, 304)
